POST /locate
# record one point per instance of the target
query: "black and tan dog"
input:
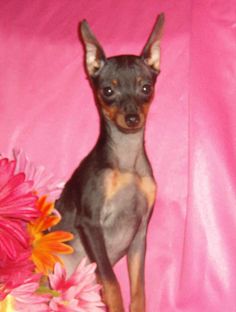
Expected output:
(108, 201)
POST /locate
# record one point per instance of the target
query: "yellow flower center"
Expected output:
(65, 302)
(7, 305)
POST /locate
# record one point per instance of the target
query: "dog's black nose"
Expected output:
(132, 120)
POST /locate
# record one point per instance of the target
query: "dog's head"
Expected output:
(123, 85)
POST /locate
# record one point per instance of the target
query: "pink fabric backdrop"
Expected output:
(47, 110)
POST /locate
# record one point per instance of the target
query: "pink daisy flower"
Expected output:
(43, 183)
(14, 272)
(17, 206)
(24, 298)
(79, 293)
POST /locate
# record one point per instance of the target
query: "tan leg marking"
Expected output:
(111, 295)
(137, 284)
(148, 187)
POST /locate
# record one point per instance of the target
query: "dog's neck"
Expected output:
(126, 149)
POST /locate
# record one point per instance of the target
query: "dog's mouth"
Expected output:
(128, 130)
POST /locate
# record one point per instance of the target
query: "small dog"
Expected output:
(108, 201)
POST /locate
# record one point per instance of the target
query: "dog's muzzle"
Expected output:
(132, 120)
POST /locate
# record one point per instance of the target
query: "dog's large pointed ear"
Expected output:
(94, 54)
(151, 52)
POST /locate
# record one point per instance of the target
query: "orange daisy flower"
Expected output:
(47, 245)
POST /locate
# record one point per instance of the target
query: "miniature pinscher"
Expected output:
(108, 201)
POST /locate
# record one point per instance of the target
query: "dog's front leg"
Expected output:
(136, 259)
(93, 240)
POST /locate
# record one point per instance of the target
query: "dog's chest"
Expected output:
(127, 188)
(128, 198)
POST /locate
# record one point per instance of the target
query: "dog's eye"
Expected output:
(147, 89)
(107, 91)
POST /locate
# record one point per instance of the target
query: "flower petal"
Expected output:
(6, 171)
(11, 234)
(54, 247)
(44, 262)
(58, 278)
(44, 183)
(59, 236)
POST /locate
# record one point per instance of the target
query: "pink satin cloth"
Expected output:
(47, 109)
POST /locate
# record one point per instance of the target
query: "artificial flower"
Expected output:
(79, 293)
(17, 206)
(47, 245)
(14, 272)
(43, 183)
(25, 298)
